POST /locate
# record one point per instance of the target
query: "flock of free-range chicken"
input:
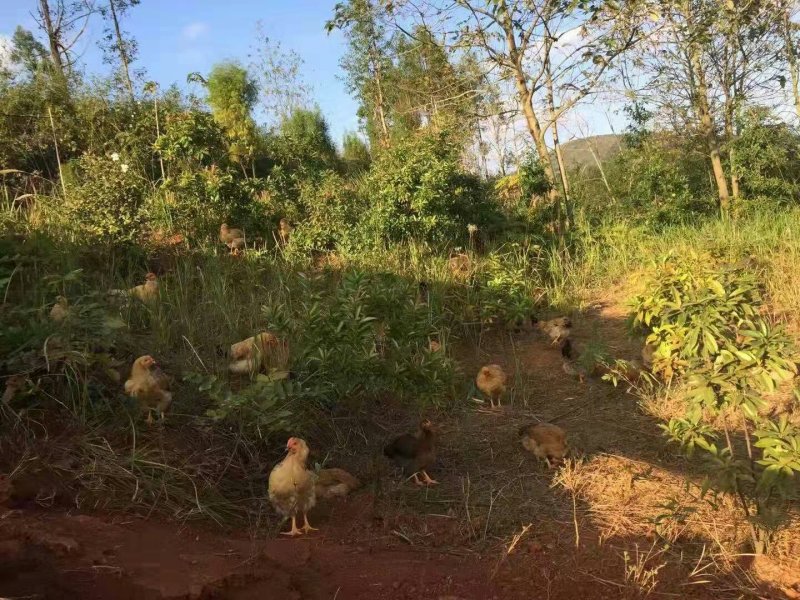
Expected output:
(293, 488)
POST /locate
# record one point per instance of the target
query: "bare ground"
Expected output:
(500, 525)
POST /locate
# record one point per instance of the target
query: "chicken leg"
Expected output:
(295, 531)
(427, 478)
(307, 526)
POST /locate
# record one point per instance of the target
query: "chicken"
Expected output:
(423, 293)
(60, 309)
(13, 385)
(648, 354)
(546, 441)
(557, 329)
(491, 381)
(571, 364)
(150, 386)
(148, 291)
(332, 483)
(292, 486)
(434, 345)
(228, 234)
(284, 231)
(460, 264)
(236, 245)
(415, 452)
(250, 355)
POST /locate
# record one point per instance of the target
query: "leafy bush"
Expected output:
(708, 327)
(366, 337)
(417, 190)
(105, 204)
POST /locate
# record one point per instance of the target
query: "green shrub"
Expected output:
(707, 325)
(105, 203)
(417, 190)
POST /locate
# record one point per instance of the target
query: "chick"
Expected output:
(434, 346)
(60, 310)
(148, 291)
(292, 486)
(415, 452)
(250, 355)
(557, 329)
(284, 231)
(491, 381)
(332, 483)
(150, 386)
(228, 234)
(571, 364)
(546, 441)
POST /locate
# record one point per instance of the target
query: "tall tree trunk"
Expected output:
(791, 55)
(703, 110)
(526, 100)
(53, 39)
(123, 55)
(379, 100)
(562, 172)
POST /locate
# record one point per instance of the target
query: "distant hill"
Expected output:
(578, 153)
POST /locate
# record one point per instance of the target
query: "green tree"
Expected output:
(119, 49)
(355, 154)
(304, 142)
(231, 95)
(367, 62)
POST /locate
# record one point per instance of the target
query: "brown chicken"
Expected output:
(434, 345)
(423, 293)
(415, 452)
(236, 245)
(333, 483)
(491, 381)
(557, 329)
(291, 486)
(547, 441)
(648, 354)
(285, 231)
(149, 386)
(254, 353)
(571, 364)
(60, 309)
(228, 234)
(14, 384)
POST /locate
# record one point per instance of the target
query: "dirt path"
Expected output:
(390, 541)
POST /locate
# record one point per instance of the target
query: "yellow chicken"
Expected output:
(460, 264)
(332, 483)
(60, 310)
(547, 441)
(251, 355)
(149, 386)
(292, 486)
(148, 291)
(491, 381)
(557, 329)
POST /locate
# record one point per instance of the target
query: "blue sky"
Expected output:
(177, 37)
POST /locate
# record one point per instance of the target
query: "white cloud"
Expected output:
(195, 30)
